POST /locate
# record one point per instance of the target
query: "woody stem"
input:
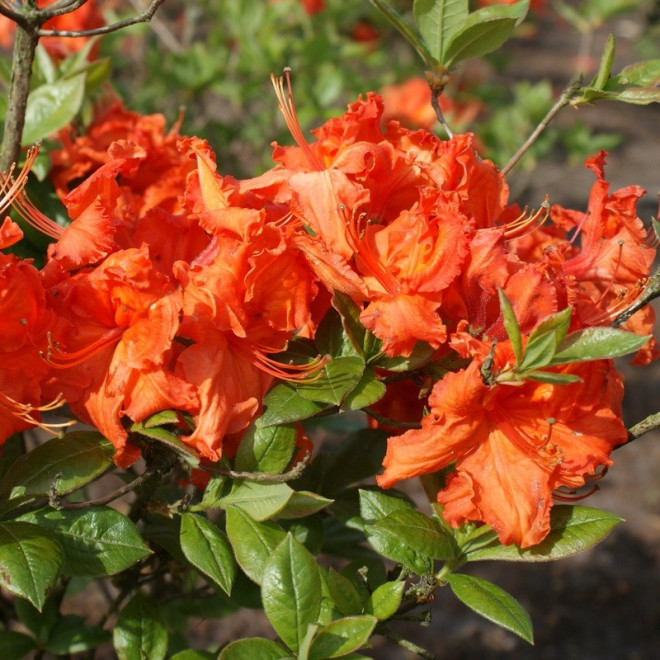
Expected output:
(19, 88)
(646, 425)
(566, 97)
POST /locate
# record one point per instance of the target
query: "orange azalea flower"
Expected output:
(24, 322)
(86, 17)
(511, 446)
(114, 345)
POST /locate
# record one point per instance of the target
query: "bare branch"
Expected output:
(646, 425)
(59, 9)
(566, 97)
(262, 476)
(144, 17)
(12, 15)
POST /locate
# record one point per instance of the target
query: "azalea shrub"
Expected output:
(216, 389)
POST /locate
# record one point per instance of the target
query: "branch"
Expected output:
(639, 429)
(437, 84)
(388, 633)
(566, 97)
(144, 17)
(651, 291)
(292, 474)
(12, 15)
(387, 421)
(59, 9)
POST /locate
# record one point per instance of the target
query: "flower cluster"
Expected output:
(175, 287)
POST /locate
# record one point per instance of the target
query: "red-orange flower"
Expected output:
(512, 446)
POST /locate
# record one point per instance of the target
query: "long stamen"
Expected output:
(24, 412)
(59, 359)
(288, 110)
(10, 186)
(524, 224)
(33, 216)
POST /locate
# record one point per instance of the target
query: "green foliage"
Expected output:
(139, 632)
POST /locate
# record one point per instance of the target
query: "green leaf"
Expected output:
(253, 648)
(484, 31)
(309, 531)
(291, 591)
(417, 532)
(539, 353)
(556, 324)
(597, 344)
(208, 550)
(375, 505)
(168, 438)
(139, 634)
(408, 34)
(62, 464)
(511, 325)
(606, 61)
(97, 541)
(343, 593)
(260, 500)
(641, 74)
(189, 654)
(359, 457)
(342, 636)
(304, 503)
(15, 645)
(266, 449)
(284, 404)
(337, 378)
(364, 342)
(420, 356)
(70, 635)
(52, 106)
(574, 529)
(492, 603)
(331, 339)
(44, 65)
(253, 541)
(552, 377)
(368, 390)
(385, 601)
(31, 560)
(438, 21)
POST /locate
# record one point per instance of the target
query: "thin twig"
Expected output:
(388, 633)
(59, 9)
(387, 421)
(56, 503)
(162, 32)
(266, 477)
(144, 17)
(15, 16)
(566, 97)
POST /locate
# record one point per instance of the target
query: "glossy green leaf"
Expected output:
(218, 487)
(492, 603)
(375, 505)
(597, 344)
(206, 547)
(641, 74)
(266, 449)
(342, 636)
(70, 635)
(574, 529)
(139, 633)
(15, 645)
(343, 593)
(418, 532)
(420, 356)
(330, 337)
(309, 531)
(337, 378)
(404, 29)
(539, 353)
(291, 591)
(484, 31)
(284, 404)
(368, 391)
(385, 600)
(387, 542)
(359, 457)
(52, 106)
(260, 500)
(31, 560)
(304, 503)
(97, 541)
(438, 21)
(511, 325)
(61, 464)
(253, 542)
(253, 648)
(556, 324)
(364, 342)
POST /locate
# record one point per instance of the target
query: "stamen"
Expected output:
(11, 187)
(573, 496)
(33, 216)
(59, 359)
(288, 110)
(523, 225)
(24, 412)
